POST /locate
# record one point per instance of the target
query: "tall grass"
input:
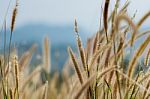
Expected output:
(100, 72)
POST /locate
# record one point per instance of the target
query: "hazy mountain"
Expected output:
(57, 34)
(60, 38)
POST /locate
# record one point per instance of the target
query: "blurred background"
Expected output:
(55, 19)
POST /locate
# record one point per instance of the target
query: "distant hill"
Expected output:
(60, 37)
(57, 34)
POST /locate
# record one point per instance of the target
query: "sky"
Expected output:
(63, 12)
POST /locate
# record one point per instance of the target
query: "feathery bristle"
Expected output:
(76, 26)
(13, 20)
(96, 41)
(46, 55)
(72, 56)
(16, 77)
(105, 17)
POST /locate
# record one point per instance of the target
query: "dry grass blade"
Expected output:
(65, 79)
(96, 41)
(82, 54)
(147, 97)
(84, 87)
(129, 42)
(96, 55)
(131, 86)
(120, 45)
(27, 80)
(133, 81)
(88, 49)
(14, 17)
(76, 26)
(72, 56)
(120, 49)
(134, 86)
(4, 45)
(105, 71)
(139, 52)
(147, 87)
(112, 24)
(115, 90)
(107, 57)
(1, 68)
(26, 58)
(11, 94)
(143, 19)
(127, 19)
(105, 17)
(16, 76)
(45, 92)
(80, 48)
(12, 29)
(146, 76)
(124, 8)
(147, 58)
(46, 55)
(143, 33)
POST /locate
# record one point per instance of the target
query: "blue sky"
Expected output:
(64, 12)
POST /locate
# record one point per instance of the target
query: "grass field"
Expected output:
(100, 70)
